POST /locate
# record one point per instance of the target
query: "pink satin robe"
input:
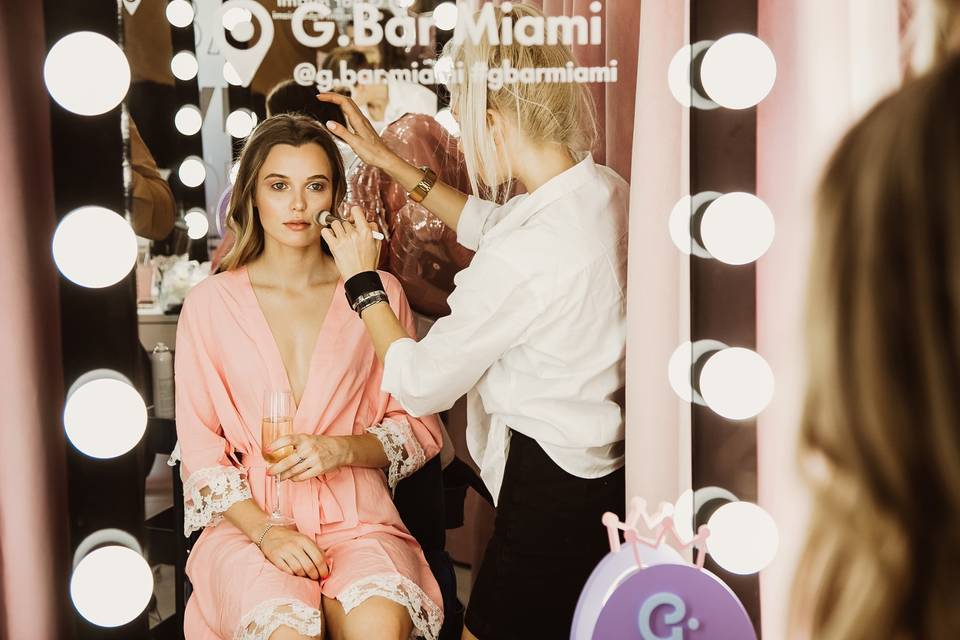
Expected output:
(226, 358)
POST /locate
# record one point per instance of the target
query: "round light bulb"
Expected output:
(678, 371)
(230, 74)
(87, 73)
(737, 228)
(197, 223)
(240, 123)
(94, 247)
(680, 224)
(743, 538)
(192, 171)
(235, 16)
(180, 13)
(445, 16)
(446, 119)
(443, 70)
(736, 383)
(104, 416)
(678, 75)
(188, 120)
(184, 65)
(111, 586)
(738, 71)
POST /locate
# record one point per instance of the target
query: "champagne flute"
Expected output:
(277, 422)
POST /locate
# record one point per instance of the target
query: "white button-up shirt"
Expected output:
(537, 328)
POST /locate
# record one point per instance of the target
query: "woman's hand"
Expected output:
(294, 553)
(364, 140)
(353, 246)
(312, 456)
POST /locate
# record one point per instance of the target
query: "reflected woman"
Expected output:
(537, 329)
(880, 438)
(277, 318)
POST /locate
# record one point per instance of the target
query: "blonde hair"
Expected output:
(882, 414)
(545, 112)
(242, 217)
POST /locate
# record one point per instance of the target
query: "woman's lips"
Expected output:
(297, 226)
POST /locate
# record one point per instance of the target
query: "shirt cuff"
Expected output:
(393, 364)
(472, 220)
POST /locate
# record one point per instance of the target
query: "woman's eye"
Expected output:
(278, 186)
(317, 186)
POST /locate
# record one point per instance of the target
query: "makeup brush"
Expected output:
(325, 219)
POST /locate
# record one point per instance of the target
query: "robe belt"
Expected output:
(313, 502)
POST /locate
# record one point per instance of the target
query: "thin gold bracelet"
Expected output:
(263, 535)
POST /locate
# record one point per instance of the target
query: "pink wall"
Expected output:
(834, 59)
(32, 512)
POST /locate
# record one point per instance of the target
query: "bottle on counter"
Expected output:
(163, 396)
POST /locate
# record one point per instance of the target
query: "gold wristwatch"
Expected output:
(423, 187)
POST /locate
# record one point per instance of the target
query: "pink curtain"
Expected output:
(33, 525)
(834, 59)
(658, 432)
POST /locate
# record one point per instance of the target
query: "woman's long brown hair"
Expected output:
(880, 439)
(242, 218)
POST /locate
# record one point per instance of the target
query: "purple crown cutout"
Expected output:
(644, 589)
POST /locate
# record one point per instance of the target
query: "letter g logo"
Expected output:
(674, 617)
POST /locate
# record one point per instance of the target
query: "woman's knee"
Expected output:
(284, 632)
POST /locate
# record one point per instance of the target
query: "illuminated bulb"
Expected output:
(736, 383)
(443, 70)
(87, 73)
(445, 16)
(680, 224)
(743, 538)
(111, 586)
(104, 416)
(180, 13)
(235, 16)
(446, 119)
(197, 223)
(192, 172)
(184, 65)
(737, 228)
(405, 4)
(678, 75)
(738, 71)
(240, 123)
(94, 247)
(230, 74)
(678, 371)
(188, 120)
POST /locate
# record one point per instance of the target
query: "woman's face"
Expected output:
(294, 184)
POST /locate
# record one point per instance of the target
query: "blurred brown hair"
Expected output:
(880, 440)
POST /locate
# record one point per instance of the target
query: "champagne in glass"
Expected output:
(277, 422)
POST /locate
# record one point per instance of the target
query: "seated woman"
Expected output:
(277, 318)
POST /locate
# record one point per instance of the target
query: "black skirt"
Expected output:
(547, 539)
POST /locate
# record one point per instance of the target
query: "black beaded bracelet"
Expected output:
(364, 282)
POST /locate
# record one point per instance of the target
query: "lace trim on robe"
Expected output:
(427, 617)
(402, 449)
(210, 491)
(266, 617)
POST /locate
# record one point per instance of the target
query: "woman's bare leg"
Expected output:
(466, 635)
(376, 619)
(286, 633)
